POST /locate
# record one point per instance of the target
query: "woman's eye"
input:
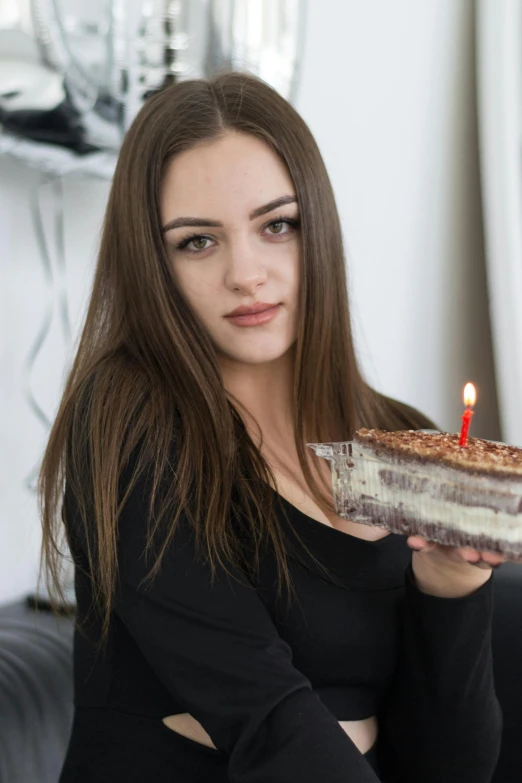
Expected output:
(194, 243)
(276, 227)
(281, 226)
(199, 243)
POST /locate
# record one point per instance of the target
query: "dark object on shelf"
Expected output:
(41, 603)
(61, 126)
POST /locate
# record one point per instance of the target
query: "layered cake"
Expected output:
(424, 483)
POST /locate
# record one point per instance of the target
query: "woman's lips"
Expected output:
(254, 319)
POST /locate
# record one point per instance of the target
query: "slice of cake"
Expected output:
(424, 483)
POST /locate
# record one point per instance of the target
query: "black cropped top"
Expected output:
(270, 683)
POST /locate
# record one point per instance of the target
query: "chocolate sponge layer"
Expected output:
(404, 522)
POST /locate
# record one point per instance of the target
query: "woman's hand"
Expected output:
(450, 572)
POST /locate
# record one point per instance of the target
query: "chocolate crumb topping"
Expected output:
(479, 456)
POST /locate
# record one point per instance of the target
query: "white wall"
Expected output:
(24, 297)
(388, 91)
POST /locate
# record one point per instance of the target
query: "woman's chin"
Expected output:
(255, 355)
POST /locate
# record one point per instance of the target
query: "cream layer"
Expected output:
(434, 494)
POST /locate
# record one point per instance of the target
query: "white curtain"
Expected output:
(499, 89)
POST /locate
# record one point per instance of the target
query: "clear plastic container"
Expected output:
(439, 502)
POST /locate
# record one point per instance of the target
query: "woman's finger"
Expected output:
(493, 558)
(469, 554)
(417, 543)
(482, 559)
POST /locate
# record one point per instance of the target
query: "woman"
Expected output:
(230, 625)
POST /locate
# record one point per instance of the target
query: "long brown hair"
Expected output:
(145, 367)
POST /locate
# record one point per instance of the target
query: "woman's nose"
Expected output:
(245, 269)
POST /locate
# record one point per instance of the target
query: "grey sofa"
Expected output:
(36, 693)
(36, 686)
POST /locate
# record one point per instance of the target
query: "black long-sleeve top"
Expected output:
(271, 683)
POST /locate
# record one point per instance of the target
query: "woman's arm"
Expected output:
(442, 721)
(215, 648)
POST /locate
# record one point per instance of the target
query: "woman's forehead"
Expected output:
(234, 172)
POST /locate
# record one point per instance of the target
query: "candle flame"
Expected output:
(470, 395)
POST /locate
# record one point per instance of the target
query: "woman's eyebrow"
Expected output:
(277, 202)
(193, 221)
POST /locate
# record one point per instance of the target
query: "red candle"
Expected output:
(470, 397)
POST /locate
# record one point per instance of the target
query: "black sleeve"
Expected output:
(443, 721)
(217, 651)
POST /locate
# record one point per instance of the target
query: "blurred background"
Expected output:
(415, 108)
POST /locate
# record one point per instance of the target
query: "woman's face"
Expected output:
(230, 245)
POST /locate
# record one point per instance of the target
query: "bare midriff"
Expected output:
(363, 733)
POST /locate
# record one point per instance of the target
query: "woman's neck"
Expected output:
(265, 394)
